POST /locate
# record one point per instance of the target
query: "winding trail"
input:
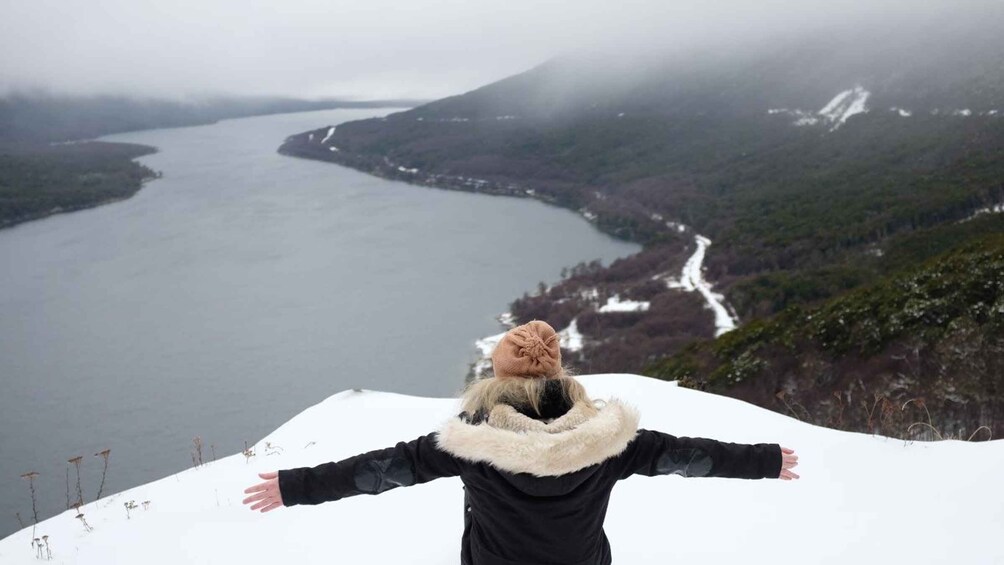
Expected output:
(692, 278)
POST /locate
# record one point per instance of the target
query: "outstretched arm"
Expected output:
(655, 453)
(405, 464)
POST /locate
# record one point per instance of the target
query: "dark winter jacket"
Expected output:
(535, 492)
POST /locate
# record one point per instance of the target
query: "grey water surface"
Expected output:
(239, 289)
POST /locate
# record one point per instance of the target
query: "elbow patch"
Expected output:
(379, 475)
(689, 462)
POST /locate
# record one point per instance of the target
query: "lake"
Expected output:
(236, 291)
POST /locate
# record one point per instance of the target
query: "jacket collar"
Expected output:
(513, 442)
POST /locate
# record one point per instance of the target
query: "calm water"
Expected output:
(236, 291)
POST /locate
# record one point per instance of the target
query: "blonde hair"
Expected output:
(485, 394)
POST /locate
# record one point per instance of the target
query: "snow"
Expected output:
(333, 149)
(407, 170)
(673, 283)
(485, 347)
(844, 105)
(831, 110)
(835, 113)
(807, 121)
(310, 137)
(804, 118)
(861, 498)
(507, 319)
(901, 112)
(692, 279)
(587, 214)
(615, 304)
(676, 226)
(331, 131)
(995, 209)
(965, 112)
(570, 337)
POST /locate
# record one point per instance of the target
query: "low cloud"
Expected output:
(379, 48)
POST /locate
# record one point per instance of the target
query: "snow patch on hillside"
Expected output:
(844, 105)
(485, 346)
(615, 304)
(507, 319)
(995, 209)
(331, 131)
(834, 114)
(861, 499)
(571, 338)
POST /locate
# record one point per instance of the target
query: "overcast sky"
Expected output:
(362, 48)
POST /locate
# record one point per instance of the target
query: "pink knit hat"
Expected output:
(530, 351)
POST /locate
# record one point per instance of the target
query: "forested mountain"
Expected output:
(40, 175)
(815, 165)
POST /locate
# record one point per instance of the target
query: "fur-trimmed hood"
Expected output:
(513, 442)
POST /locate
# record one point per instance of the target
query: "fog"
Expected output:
(382, 48)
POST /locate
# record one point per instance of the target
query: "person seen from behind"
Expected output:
(537, 457)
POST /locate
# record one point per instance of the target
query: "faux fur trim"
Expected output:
(512, 442)
(506, 417)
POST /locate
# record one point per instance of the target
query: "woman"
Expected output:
(537, 457)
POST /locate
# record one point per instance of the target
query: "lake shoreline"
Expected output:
(56, 156)
(675, 249)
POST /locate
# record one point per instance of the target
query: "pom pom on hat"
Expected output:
(530, 351)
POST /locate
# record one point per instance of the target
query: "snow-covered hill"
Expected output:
(861, 499)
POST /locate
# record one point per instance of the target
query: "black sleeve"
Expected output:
(415, 462)
(655, 453)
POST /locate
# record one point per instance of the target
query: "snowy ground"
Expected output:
(861, 499)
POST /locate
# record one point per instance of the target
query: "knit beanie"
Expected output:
(530, 351)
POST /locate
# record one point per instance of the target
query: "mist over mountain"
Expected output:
(814, 163)
(42, 117)
(929, 65)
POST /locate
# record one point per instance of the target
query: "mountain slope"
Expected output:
(931, 339)
(861, 498)
(807, 168)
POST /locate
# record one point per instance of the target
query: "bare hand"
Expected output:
(265, 495)
(788, 461)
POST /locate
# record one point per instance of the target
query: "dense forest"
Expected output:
(40, 180)
(815, 172)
